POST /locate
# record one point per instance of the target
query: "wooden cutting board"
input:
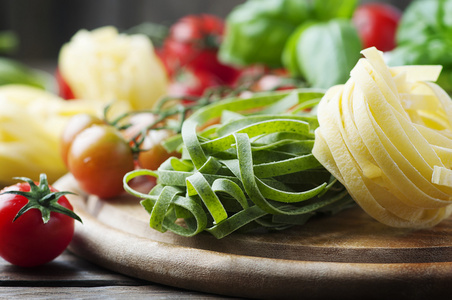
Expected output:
(346, 256)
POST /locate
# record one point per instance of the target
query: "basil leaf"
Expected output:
(424, 21)
(432, 52)
(289, 54)
(424, 37)
(8, 41)
(257, 30)
(329, 9)
(13, 72)
(326, 52)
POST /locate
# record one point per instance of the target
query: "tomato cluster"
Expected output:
(189, 53)
(98, 154)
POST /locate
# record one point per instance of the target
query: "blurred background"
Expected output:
(43, 26)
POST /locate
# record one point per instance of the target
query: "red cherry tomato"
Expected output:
(192, 46)
(377, 25)
(198, 62)
(98, 158)
(189, 36)
(75, 125)
(197, 29)
(64, 90)
(192, 84)
(274, 80)
(29, 241)
(207, 62)
(154, 154)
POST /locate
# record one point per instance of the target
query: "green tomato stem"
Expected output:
(42, 198)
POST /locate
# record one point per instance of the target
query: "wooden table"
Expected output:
(346, 256)
(69, 277)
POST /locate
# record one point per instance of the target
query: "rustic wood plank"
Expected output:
(69, 277)
(103, 292)
(66, 270)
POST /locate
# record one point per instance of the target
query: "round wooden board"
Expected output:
(345, 256)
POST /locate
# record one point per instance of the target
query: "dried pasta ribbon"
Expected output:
(386, 135)
(254, 170)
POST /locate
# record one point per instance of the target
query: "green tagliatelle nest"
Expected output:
(253, 169)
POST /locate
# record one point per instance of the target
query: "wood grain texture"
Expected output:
(66, 270)
(71, 277)
(345, 256)
(101, 292)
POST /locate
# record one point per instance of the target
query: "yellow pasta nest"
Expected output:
(32, 121)
(386, 134)
(104, 65)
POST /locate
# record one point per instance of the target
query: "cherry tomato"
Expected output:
(138, 122)
(154, 154)
(64, 90)
(274, 80)
(31, 239)
(207, 62)
(75, 125)
(377, 25)
(189, 36)
(98, 158)
(192, 46)
(197, 29)
(192, 84)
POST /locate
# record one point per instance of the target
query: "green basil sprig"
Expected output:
(323, 53)
(14, 72)
(257, 30)
(252, 170)
(325, 10)
(8, 41)
(424, 37)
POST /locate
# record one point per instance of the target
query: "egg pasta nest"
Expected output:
(386, 135)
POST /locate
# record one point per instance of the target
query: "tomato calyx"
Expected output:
(41, 197)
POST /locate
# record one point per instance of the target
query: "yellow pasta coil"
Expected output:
(386, 134)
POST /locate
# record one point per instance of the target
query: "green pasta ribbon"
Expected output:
(251, 170)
